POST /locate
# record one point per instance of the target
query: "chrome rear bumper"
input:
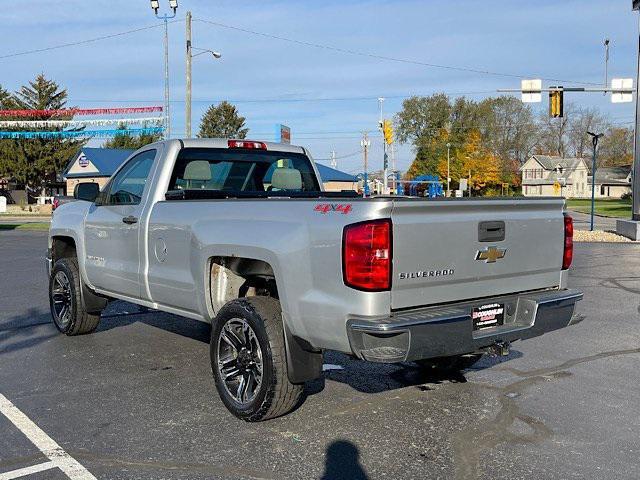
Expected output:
(448, 330)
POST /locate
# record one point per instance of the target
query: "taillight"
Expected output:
(366, 255)
(567, 256)
(250, 144)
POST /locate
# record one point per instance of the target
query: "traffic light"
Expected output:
(556, 103)
(387, 131)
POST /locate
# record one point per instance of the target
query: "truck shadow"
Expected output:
(119, 314)
(367, 377)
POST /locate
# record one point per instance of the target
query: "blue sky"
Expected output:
(273, 81)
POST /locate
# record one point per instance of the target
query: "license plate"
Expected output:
(487, 316)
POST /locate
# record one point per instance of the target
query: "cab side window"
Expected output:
(127, 187)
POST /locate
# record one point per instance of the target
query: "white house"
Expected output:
(544, 176)
(612, 182)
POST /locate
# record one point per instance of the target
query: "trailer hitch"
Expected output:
(499, 349)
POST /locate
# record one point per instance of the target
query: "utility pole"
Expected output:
(187, 106)
(594, 138)
(469, 183)
(334, 162)
(366, 143)
(188, 73)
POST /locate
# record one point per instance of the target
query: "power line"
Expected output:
(83, 42)
(338, 158)
(383, 57)
(292, 100)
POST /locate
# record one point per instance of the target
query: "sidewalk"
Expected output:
(581, 221)
(14, 219)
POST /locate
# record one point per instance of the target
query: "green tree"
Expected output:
(36, 161)
(5, 96)
(222, 121)
(422, 117)
(429, 123)
(127, 140)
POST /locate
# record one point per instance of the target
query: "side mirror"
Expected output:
(86, 191)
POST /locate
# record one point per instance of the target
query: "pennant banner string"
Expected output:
(79, 123)
(65, 112)
(83, 133)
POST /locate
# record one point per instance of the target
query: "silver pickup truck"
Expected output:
(240, 234)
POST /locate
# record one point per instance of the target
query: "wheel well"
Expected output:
(237, 277)
(62, 247)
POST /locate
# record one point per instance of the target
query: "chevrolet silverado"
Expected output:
(241, 234)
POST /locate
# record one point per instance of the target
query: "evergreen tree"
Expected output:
(222, 121)
(36, 161)
(128, 141)
(5, 96)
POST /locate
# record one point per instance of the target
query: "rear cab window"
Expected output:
(242, 171)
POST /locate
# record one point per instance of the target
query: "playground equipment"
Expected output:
(433, 186)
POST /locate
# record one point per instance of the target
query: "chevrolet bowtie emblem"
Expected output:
(491, 254)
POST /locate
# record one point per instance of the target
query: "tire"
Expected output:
(454, 363)
(267, 392)
(67, 310)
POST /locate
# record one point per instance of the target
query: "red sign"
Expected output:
(283, 133)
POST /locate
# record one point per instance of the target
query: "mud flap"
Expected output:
(302, 364)
(93, 303)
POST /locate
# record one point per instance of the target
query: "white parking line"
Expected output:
(58, 458)
(23, 472)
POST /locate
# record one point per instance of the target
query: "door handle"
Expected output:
(130, 220)
(491, 231)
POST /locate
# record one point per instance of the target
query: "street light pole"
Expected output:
(189, 60)
(594, 139)
(448, 170)
(385, 161)
(187, 105)
(166, 76)
(365, 143)
(155, 5)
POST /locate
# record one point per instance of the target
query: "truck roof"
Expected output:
(224, 143)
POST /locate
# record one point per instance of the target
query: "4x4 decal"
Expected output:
(325, 208)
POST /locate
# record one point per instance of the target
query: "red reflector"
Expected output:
(567, 257)
(366, 255)
(247, 144)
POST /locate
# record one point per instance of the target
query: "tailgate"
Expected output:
(449, 250)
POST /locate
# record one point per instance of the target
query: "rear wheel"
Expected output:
(67, 310)
(454, 363)
(249, 362)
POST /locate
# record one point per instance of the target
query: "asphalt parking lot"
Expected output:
(136, 400)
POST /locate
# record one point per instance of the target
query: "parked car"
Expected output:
(241, 234)
(59, 200)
